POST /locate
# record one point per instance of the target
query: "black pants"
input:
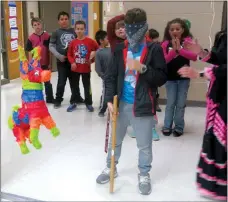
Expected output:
(103, 104)
(86, 85)
(157, 94)
(48, 87)
(64, 72)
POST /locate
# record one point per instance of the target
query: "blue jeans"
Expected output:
(177, 92)
(142, 127)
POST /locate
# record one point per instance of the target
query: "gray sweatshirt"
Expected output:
(102, 61)
(60, 40)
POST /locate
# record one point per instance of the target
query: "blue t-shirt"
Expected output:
(128, 92)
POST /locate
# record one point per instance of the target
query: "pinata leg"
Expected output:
(34, 132)
(49, 123)
(24, 148)
(21, 139)
(10, 123)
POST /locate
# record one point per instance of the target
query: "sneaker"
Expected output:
(166, 132)
(132, 135)
(101, 114)
(57, 105)
(144, 184)
(72, 107)
(104, 177)
(90, 108)
(177, 133)
(155, 135)
(158, 109)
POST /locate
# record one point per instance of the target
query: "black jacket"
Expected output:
(146, 84)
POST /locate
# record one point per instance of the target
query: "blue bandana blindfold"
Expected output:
(135, 34)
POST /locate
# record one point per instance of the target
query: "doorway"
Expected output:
(49, 17)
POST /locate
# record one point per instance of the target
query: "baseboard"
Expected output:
(5, 81)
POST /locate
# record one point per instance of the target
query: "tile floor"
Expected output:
(66, 167)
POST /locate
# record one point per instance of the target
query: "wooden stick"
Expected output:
(114, 118)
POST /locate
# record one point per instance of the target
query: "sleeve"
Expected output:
(156, 74)
(98, 68)
(220, 83)
(52, 45)
(70, 53)
(110, 80)
(29, 45)
(111, 28)
(188, 54)
(171, 54)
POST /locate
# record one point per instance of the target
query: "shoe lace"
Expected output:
(144, 179)
(106, 171)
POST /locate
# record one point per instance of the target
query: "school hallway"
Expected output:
(65, 169)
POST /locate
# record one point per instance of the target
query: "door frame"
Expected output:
(4, 54)
(224, 16)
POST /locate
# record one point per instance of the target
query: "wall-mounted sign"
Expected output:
(79, 11)
(108, 6)
(121, 6)
(13, 25)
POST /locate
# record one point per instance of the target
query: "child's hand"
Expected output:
(193, 46)
(178, 46)
(92, 55)
(73, 67)
(111, 110)
(174, 45)
(50, 67)
(134, 65)
(62, 58)
(188, 72)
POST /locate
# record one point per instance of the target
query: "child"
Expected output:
(80, 55)
(212, 165)
(41, 38)
(59, 43)
(116, 31)
(102, 61)
(176, 32)
(134, 83)
(154, 36)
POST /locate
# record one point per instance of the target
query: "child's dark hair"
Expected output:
(35, 20)
(80, 22)
(135, 15)
(100, 35)
(218, 37)
(63, 13)
(184, 26)
(153, 33)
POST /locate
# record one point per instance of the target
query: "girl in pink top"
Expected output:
(176, 32)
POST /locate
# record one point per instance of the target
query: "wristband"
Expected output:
(143, 69)
(201, 74)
